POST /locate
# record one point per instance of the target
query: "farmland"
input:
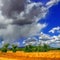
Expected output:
(20, 55)
(29, 52)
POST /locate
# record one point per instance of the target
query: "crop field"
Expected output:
(20, 55)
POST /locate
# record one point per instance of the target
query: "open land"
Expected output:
(20, 55)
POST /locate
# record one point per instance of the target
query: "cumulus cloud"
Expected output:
(44, 36)
(30, 41)
(55, 41)
(43, 39)
(51, 3)
(55, 29)
(18, 18)
(47, 39)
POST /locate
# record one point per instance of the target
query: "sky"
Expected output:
(52, 18)
(22, 20)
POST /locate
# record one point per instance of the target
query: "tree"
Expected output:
(28, 48)
(46, 47)
(5, 47)
(14, 48)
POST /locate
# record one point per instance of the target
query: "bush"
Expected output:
(46, 47)
(14, 48)
(5, 48)
(28, 48)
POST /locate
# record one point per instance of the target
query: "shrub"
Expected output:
(28, 48)
(5, 48)
(14, 48)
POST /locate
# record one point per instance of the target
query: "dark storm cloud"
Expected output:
(2, 26)
(11, 6)
(13, 9)
(21, 22)
(18, 19)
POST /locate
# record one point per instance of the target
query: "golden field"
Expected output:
(19, 55)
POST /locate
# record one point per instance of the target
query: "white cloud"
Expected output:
(56, 43)
(55, 29)
(15, 24)
(44, 36)
(43, 39)
(47, 39)
(51, 3)
(30, 41)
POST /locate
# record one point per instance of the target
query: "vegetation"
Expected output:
(4, 48)
(14, 48)
(43, 48)
(28, 48)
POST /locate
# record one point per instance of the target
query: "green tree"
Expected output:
(28, 48)
(14, 48)
(46, 47)
(5, 47)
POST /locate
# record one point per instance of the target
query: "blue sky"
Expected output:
(52, 18)
(40, 18)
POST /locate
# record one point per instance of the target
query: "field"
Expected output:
(20, 55)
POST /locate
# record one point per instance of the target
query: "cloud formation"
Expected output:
(55, 29)
(47, 39)
(43, 39)
(52, 3)
(30, 41)
(18, 18)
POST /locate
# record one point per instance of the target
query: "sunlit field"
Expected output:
(29, 52)
(20, 55)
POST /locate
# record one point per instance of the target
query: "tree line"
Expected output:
(28, 48)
